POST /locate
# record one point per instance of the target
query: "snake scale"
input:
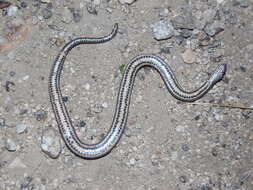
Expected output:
(92, 151)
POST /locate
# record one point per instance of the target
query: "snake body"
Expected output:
(92, 151)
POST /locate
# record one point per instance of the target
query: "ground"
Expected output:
(167, 144)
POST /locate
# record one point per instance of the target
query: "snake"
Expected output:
(110, 140)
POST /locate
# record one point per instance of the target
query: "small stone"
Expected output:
(17, 163)
(189, 56)
(82, 124)
(183, 179)
(184, 20)
(51, 143)
(174, 155)
(23, 4)
(129, 2)
(46, 13)
(132, 161)
(65, 99)
(2, 122)
(180, 128)
(214, 152)
(185, 147)
(12, 73)
(186, 33)
(10, 145)
(12, 10)
(87, 86)
(36, 3)
(20, 128)
(66, 16)
(98, 108)
(10, 86)
(214, 28)
(104, 105)
(4, 4)
(162, 30)
(45, 1)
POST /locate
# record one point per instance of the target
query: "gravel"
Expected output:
(166, 144)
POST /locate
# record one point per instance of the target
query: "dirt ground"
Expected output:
(167, 144)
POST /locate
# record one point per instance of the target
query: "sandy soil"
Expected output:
(167, 144)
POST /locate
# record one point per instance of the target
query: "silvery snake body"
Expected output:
(92, 151)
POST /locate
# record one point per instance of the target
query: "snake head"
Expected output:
(218, 74)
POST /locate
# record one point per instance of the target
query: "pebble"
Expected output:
(162, 30)
(183, 179)
(185, 147)
(87, 86)
(129, 2)
(45, 1)
(10, 145)
(51, 143)
(66, 16)
(20, 128)
(98, 108)
(4, 4)
(184, 20)
(189, 56)
(132, 161)
(2, 122)
(214, 28)
(46, 13)
(23, 4)
(12, 10)
(186, 33)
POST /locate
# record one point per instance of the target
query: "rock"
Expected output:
(189, 56)
(4, 4)
(214, 28)
(2, 122)
(162, 30)
(129, 2)
(46, 13)
(10, 145)
(183, 179)
(23, 4)
(17, 163)
(45, 1)
(12, 10)
(185, 147)
(20, 128)
(132, 161)
(51, 143)
(66, 16)
(184, 20)
(186, 33)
